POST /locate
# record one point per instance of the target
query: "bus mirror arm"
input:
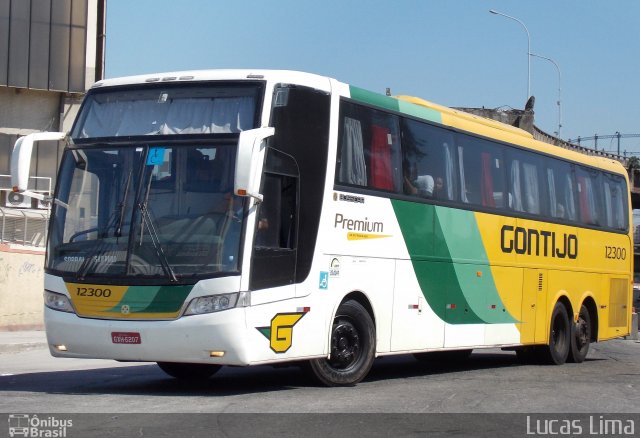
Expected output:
(250, 153)
(44, 198)
(21, 157)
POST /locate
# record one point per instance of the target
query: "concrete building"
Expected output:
(51, 52)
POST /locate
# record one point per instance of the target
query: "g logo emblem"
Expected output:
(124, 309)
(280, 333)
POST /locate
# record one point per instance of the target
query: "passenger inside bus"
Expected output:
(421, 186)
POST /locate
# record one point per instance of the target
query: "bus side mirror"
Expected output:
(21, 157)
(247, 178)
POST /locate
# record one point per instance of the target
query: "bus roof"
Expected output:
(296, 77)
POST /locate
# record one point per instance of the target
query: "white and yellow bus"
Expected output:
(228, 217)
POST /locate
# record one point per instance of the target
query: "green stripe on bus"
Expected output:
(153, 299)
(168, 299)
(393, 104)
(462, 235)
(374, 99)
(432, 262)
(422, 112)
(447, 253)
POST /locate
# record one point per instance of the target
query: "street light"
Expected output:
(493, 11)
(559, 88)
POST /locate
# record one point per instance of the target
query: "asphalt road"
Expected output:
(490, 382)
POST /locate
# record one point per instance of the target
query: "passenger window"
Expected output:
(589, 195)
(481, 172)
(524, 183)
(561, 189)
(369, 153)
(615, 201)
(428, 161)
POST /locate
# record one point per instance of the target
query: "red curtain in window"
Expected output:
(381, 171)
(583, 198)
(486, 184)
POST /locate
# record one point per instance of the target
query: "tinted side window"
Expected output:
(589, 196)
(369, 149)
(300, 116)
(615, 201)
(481, 172)
(560, 183)
(526, 192)
(428, 161)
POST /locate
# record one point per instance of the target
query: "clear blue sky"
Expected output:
(452, 52)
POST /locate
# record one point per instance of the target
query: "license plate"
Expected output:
(126, 338)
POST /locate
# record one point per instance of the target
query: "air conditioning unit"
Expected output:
(39, 204)
(12, 199)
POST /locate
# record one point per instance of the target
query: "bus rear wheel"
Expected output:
(189, 371)
(580, 336)
(352, 347)
(557, 352)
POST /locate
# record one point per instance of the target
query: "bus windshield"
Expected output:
(161, 211)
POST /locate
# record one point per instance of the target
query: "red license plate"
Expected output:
(126, 338)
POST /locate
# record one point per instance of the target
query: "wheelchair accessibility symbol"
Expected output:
(324, 280)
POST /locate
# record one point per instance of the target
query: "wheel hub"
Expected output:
(345, 345)
(582, 337)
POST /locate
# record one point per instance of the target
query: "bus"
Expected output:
(249, 217)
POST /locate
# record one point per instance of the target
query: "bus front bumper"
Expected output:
(216, 338)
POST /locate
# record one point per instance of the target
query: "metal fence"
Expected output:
(24, 226)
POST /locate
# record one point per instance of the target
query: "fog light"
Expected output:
(216, 353)
(61, 347)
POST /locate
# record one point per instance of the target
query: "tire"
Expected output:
(189, 371)
(580, 336)
(352, 347)
(557, 352)
(444, 356)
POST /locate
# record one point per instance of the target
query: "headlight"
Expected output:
(213, 303)
(57, 301)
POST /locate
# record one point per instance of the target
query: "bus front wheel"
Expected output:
(557, 351)
(352, 347)
(580, 336)
(189, 371)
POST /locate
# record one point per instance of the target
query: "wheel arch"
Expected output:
(361, 298)
(590, 304)
(566, 302)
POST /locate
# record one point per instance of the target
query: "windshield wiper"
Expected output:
(155, 240)
(121, 206)
(153, 234)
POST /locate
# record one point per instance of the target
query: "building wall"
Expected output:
(50, 53)
(43, 44)
(21, 287)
